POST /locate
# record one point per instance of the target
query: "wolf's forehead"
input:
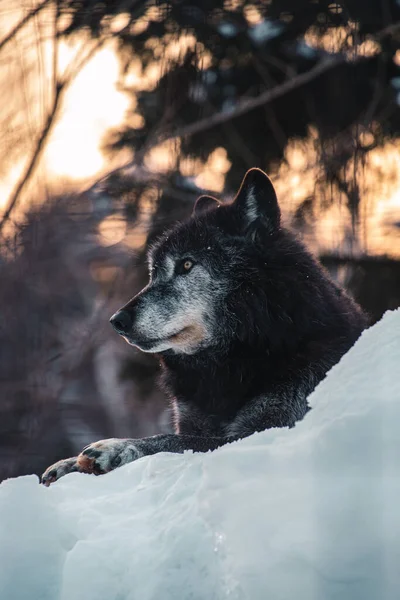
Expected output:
(169, 248)
(186, 241)
(164, 261)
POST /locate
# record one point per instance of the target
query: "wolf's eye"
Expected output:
(184, 266)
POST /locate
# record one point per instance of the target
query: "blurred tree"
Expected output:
(249, 76)
(34, 86)
(243, 76)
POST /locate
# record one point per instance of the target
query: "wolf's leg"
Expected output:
(106, 455)
(60, 468)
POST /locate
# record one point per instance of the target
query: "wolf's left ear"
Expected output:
(203, 204)
(256, 199)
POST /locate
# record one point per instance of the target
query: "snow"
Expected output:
(309, 513)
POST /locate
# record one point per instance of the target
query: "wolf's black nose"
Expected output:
(122, 321)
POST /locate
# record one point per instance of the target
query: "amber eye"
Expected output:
(184, 266)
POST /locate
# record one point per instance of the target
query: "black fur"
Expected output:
(278, 323)
(283, 325)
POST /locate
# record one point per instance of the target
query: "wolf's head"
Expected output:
(198, 268)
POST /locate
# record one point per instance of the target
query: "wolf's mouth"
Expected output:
(149, 342)
(178, 334)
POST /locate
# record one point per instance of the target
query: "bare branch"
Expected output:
(248, 104)
(82, 59)
(36, 155)
(59, 89)
(23, 22)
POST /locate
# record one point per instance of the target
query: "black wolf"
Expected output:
(245, 323)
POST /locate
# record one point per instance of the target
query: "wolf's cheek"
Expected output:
(191, 336)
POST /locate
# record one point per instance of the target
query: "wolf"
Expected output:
(245, 323)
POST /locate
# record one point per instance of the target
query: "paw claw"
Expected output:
(97, 458)
(59, 469)
(47, 480)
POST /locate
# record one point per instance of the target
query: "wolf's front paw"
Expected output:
(60, 468)
(106, 455)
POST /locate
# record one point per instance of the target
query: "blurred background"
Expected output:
(114, 116)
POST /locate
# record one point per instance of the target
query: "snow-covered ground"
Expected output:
(311, 513)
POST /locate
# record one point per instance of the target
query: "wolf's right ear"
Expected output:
(203, 204)
(256, 200)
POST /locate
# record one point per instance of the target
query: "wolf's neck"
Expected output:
(225, 381)
(213, 381)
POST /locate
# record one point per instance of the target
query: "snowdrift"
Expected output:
(310, 513)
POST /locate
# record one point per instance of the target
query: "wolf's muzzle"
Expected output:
(122, 321)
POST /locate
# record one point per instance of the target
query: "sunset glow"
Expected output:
(92, 106)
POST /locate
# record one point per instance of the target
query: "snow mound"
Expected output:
(309, 513)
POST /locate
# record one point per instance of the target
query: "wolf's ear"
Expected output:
(203, 204)
(256, 199)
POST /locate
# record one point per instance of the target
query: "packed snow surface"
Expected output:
(310, 513)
